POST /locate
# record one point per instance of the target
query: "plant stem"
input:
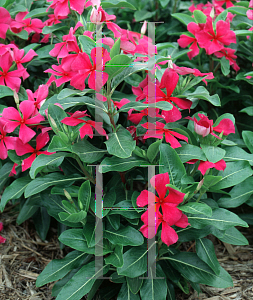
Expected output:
(175, 7)
(90, 178)
(108, 96)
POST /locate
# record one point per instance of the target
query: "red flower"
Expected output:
(12, 78)
(157, 130)
(6, 142)
(169, 81)
(41, 141)
(13, 119)
(204, 126)
(186, 40)
(86, 129)
(171, 214)
(136, 117)
(2, 240)
(61, 7)
(30, 25)
(205, 165)
(228, 53)
(5, 20)
(228, 2)
(212, 41)
(40, 95)
(13, 170)
(85, 68)
(132, 130)
(64, 72)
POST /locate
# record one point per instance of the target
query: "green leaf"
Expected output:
(55, 115)
(210, 180)
(84, 195)
(183, 18)
(202, 93)
(153, 288)
(116, 258)
(81, 283)
(134, 284)
(171, 163)
(143, 14)
(73, 217)
(235, 173)
(196, 208)
(213, 154)
(115, 50)
(233, 236)
(240, 193)
(243, 32)
(4, 173)
(43, 160)
(199, 16)
(28, 209)
(205, 251)
(237, 153)
(153, 150)
(248, 139)
(126, 236)
(65, 93)
(37, 12)
(41, 220)
(164, 105)
(135, 261)
(87, 152)
(124, 208)
(53, 28)
(195, 270)
(117, 3)
(58, 268)
(192, 234)
(126, 73)
(87, 43)
(121, 164)
(126, 294)
(5, 91)
(248, 110)
(224, 116)
(188, 152)
(221, 219)
(239, 10)
(164, 3)
(14, 191)
(117, 64)
(57, 144)
(120, 143)
(41, 183)
(225, 66)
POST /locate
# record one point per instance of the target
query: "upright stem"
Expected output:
(90, 178)
(108, 96)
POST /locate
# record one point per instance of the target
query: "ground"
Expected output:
(25, 255)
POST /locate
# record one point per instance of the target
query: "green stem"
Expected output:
(109, 103)
(175, 7)
(90, 178)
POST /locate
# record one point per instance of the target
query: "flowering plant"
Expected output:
(112, 135)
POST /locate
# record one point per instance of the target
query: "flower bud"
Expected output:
(67, 195)
(144, 27)
(95, 16)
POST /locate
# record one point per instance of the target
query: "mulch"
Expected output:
(25, 255)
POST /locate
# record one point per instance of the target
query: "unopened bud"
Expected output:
(16, 98)
(95, 16)
(144, 27)
(200, 184)
(212, 13)
(170, 63)
(53, 124)
(67, 195)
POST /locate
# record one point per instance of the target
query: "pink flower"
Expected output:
(85, 68)
(205, 165)
(120, 103)
(171, 214)
(13, 170)
(5, 20)
(40, 95)
(19, 58)
(2, 240)
(86, 129)
(169, 81)
(137, 117)
(204, 126)
(132, 130)
(157, 130)
(30, 25)
(64, 72)
(228, 53)
(13, 119)
(228, 2)
(12, 78)
(41, 141)
(61, 7)
(99, 16)
(212, 41)
(53, 19)
(186, 40)
(6, 142)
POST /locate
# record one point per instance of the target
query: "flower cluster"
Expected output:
(170, 215)
(211, 36)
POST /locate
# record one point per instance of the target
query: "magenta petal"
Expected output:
(183, 222)
(169, 138)
(169, 81)
(144, 197)
(182, 103)
(225, 125)
(169, 235)
(22, 149)
(174, 196)
(11, 113)
(25, 133)
(159, 183)
(42, 140)
(86, 130)
(204, 166)
(3, 150)
(171, 214)
(71, 121)
(29, 56)
(220, 165)
(27, 109)
(10, 126)
(10, 142)
(26, 163)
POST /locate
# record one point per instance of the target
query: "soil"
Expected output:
(25, 255)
